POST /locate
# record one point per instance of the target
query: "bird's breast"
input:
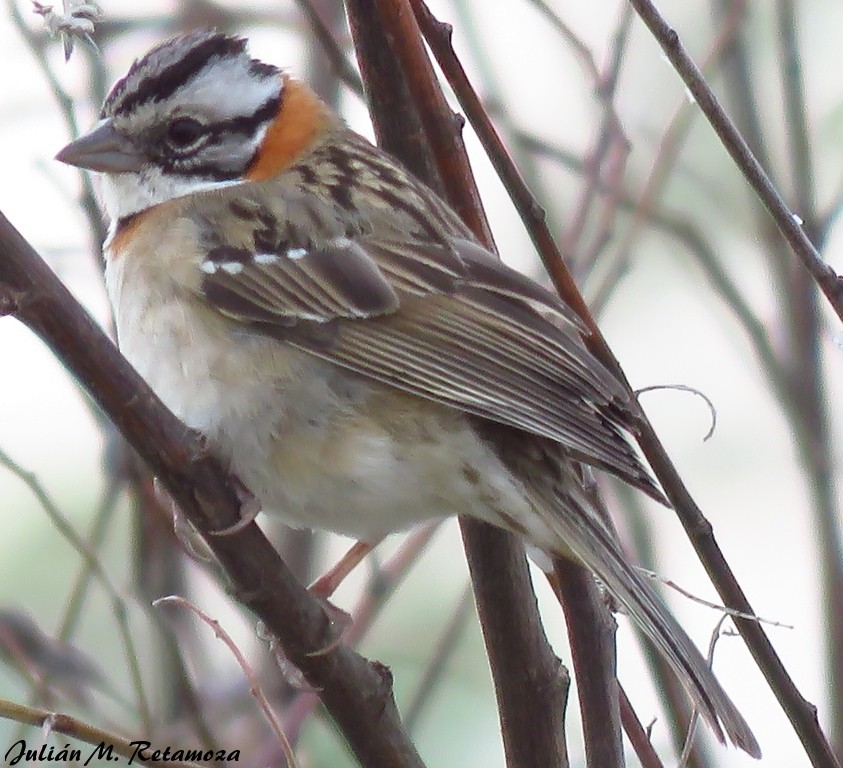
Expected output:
(322, 446)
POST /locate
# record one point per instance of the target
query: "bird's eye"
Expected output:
(184, 132)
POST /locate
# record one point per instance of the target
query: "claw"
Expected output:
(250, 507)
(183, 530)
(292, 675)
(340, 623)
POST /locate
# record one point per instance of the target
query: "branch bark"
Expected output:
(801, 713)
(413, 122)
(591, 633)
(356, 692)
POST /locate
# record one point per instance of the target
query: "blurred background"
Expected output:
(692, 285)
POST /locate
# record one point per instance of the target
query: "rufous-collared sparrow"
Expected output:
(339, 336)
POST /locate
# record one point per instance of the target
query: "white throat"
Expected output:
(126, 193)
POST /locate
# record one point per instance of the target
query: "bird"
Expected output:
(342, 340)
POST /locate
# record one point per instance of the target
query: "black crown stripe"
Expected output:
(164, 84)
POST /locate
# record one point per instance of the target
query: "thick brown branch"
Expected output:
(591, 633)
(530, 687)
(357, 693)
(442, 128)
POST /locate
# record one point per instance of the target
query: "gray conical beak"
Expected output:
(102, 149)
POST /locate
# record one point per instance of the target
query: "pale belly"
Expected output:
(319, 446)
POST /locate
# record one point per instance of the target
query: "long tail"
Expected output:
(580, 532)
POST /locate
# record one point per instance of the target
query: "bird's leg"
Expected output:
(327, 583)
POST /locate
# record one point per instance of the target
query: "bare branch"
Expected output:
(356, 693)
(611, 144)
(802, 714)
(332, 49)
(636, 734)
(591, 635)
(77, 729)
(826, 278)
(255, 687)
(796, 116)
(89, 557)
(531, 698)
(671, 142)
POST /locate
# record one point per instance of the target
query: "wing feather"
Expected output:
(442, 320)
(337, 279)
(468, 381)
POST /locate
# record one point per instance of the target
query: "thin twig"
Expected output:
(740, 88)
(669, 147)
(636, 734)
(332, 48)
(255, 687)
(118, 604)
(385, 580)
(694, 391)
(103, 516)
(695, 715)
(708, 604)
(582, 51)
(796, 115)
(829, 282)
(487, 63)
(98, 738)
(611, 143)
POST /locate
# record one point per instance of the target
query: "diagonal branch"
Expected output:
(801, 713)
(357, 693)
(830, 283)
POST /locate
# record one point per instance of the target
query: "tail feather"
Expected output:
(582, 533)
